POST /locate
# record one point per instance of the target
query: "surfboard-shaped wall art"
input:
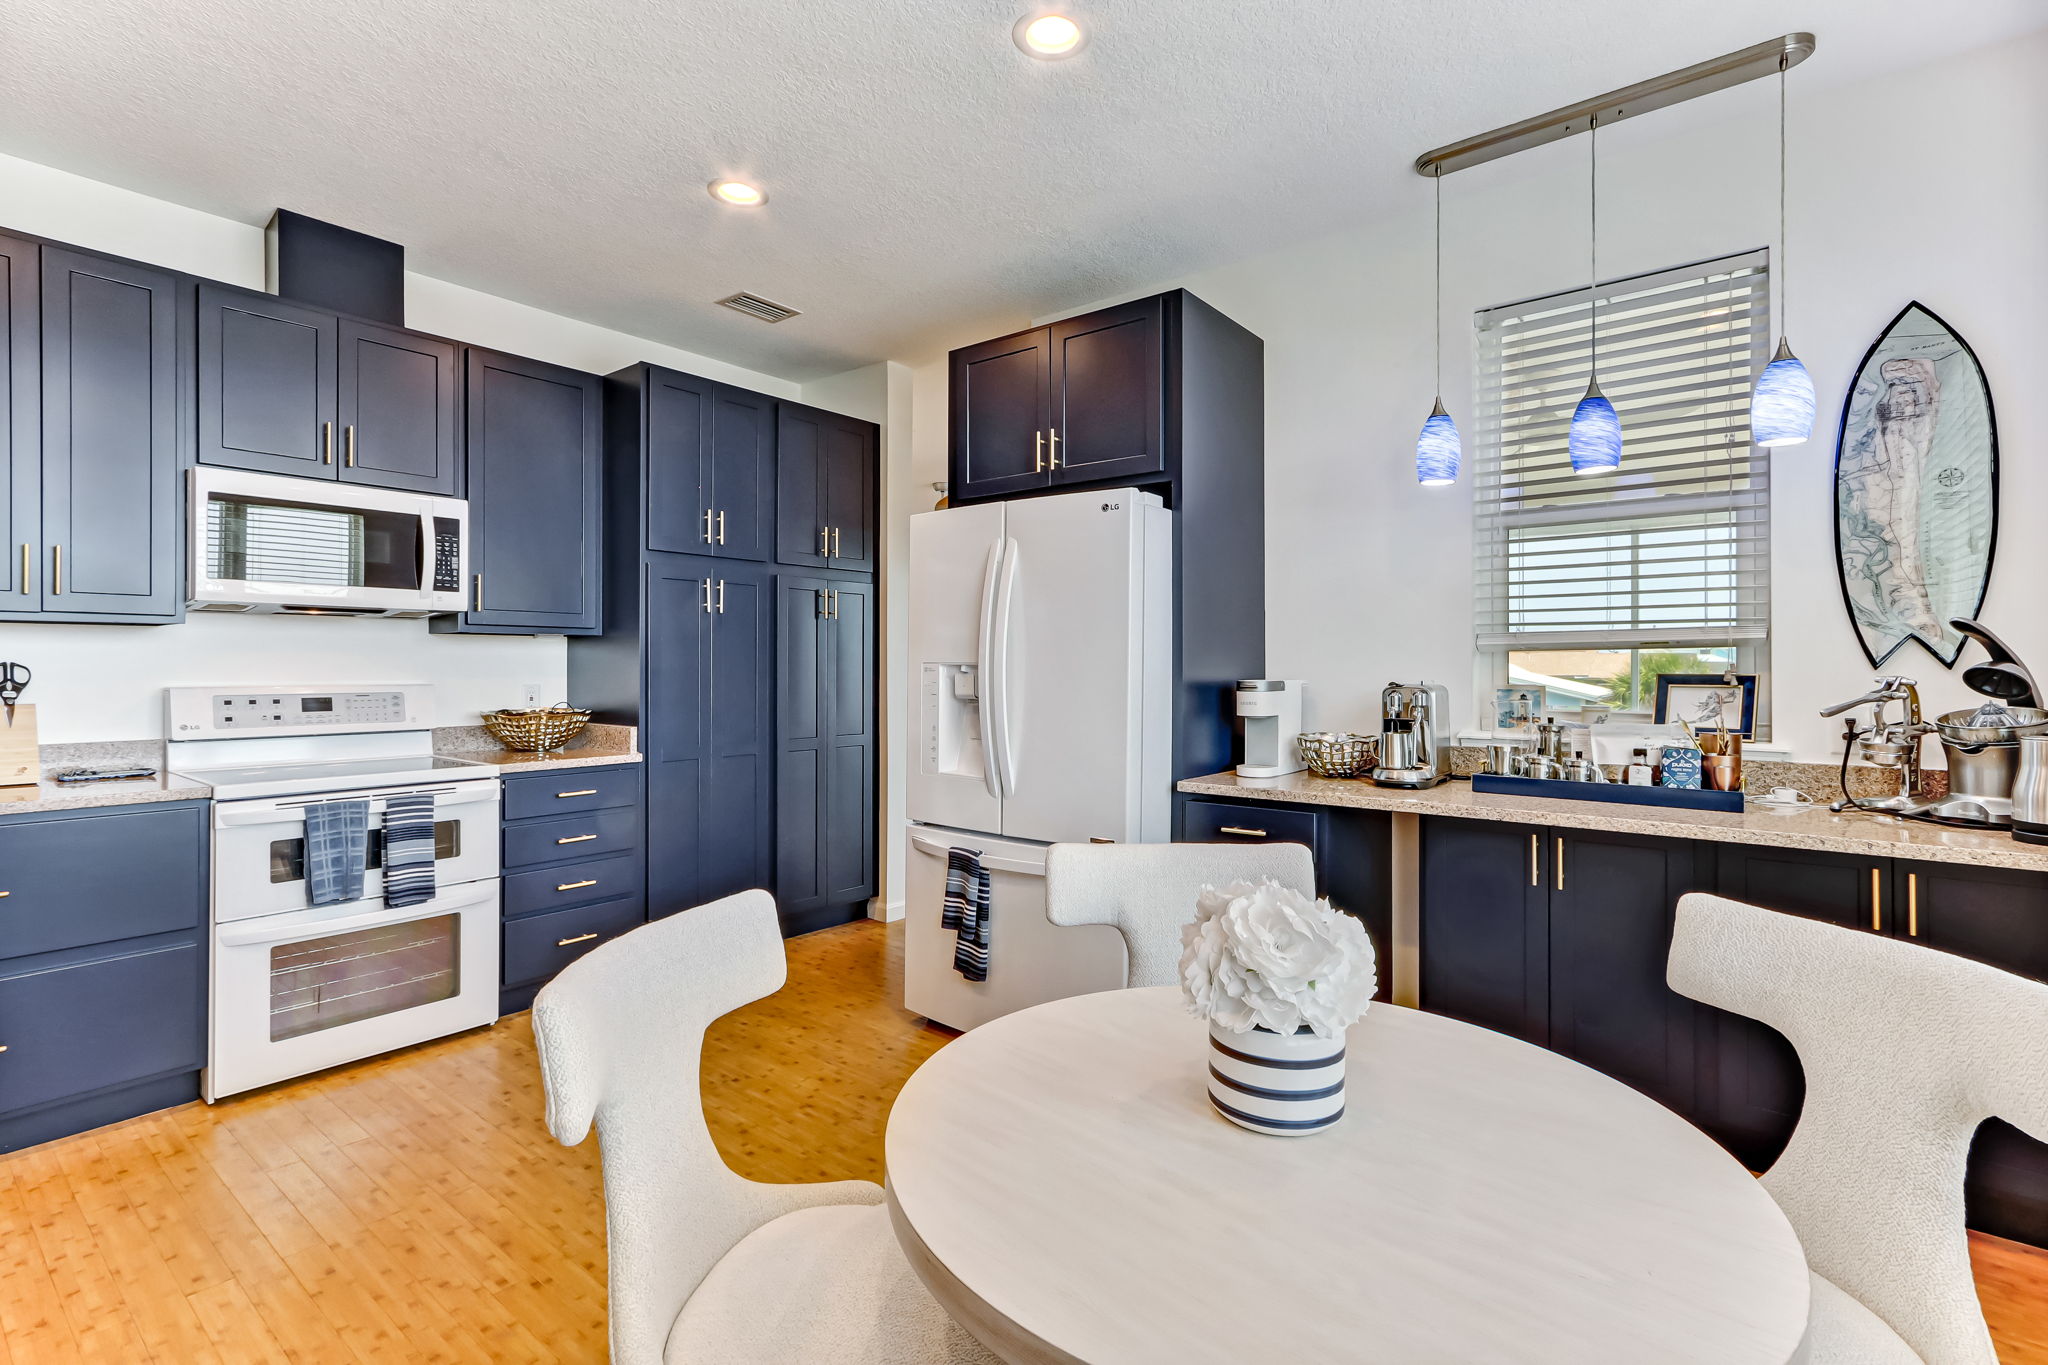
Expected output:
(1916, 489)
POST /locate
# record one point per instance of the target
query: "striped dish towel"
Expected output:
(337, 849)
(966, 912)
(408, 848)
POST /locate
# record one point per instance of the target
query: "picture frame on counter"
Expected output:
(1708, 702)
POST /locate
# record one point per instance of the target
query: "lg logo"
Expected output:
(1112, 507)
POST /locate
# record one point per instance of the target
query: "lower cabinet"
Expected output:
(825, 750)
(103, 973)
(573, 875)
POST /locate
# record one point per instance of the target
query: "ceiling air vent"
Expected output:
(754, 306)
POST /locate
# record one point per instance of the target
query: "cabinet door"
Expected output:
(1108, 395)
(1000, 406)
(1484, 937)
(397, 410)
(1612, 898)
(850, 708)
(534, 461)
(74, 1029)
(1753, 1085)
(742, 474)
(801, 534)
(21, 435)
(266, 384)
(674, 726)
(739, 755)
(850, 454)
(110, 494)
(1999, 917)
(678, 444)
(803, 744)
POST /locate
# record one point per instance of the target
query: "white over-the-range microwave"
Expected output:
(267, 543)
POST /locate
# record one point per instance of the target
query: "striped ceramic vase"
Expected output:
(1272, 1083)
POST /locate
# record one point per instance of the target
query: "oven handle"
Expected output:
(235, 815)
(267, 930)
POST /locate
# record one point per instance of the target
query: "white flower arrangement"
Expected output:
(1267, 956)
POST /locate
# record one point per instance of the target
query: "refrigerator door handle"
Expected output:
(985, 647)
(995, 863)
(1000, 632)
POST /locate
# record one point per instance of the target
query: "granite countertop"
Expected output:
(128, 791)
(1807, 827)
(595, 747)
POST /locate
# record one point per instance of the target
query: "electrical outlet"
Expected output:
(529, 694)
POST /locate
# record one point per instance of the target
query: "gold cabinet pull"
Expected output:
(327, 443)
(587, 791)
(3, 1047)
(580, 938)
(837, 553)
(577, 886)
(1534, 880)
(825, 541)
(56, 569)
(349, 442)
(477, 595)
(1560, 862)
(821, 602)
(1876, 904)
(577, 839)
(721, 526)
(1052, 449)
(832, 603)
(5, 894)
(1243, 830)
(1038, 452)
(27, 561)
(1912, 905)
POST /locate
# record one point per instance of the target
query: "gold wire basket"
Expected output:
(1338, 753)
(538, 730)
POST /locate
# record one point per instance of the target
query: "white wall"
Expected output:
(105, 682)
(1930, 183)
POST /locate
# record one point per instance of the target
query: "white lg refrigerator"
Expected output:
(1041, 639)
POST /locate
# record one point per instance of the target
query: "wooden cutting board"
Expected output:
(19, 765)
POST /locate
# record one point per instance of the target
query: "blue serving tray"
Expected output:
(1681, 797)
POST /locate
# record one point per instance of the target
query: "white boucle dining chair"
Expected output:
(1148, 891)
(1906, 1050)
(708, 1268)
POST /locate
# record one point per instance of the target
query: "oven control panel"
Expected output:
(221, 713)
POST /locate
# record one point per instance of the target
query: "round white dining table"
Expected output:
(1062, 1186)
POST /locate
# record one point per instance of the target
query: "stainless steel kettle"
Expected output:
(2030, 791)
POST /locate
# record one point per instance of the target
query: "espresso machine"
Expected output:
(1412, 735)
(1271, 711)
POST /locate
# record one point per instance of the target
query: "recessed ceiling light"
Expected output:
(1049, 36)
(738, 192)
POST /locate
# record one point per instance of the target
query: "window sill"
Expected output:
(1629, 735)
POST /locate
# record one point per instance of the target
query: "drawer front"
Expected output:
(540, 945)
(95, 879)
(69, 1030)
(569, 792)
(530, 842)
(580, 883)
(1227, 822)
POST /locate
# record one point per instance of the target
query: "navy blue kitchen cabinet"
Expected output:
(710, 454)
(573, 871)
(112, 539)
(285, 388)
(102, 966)
(1001, 401)
(740, 482)
(1484, 932)
(535, 463)
(825, 767)
(825, 489)
(21, 427)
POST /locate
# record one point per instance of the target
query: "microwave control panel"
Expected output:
(447, 555)
(218, 713)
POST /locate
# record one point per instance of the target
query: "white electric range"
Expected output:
(297, 987)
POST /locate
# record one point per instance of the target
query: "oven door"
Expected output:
(298, 992)
(259, 846)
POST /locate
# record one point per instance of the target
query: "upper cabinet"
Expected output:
(91, 432)
(1079, 402)
(825, 489)
(288, 389)
(710, 467)
(535, 462)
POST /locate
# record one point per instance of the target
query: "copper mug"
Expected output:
(1722, 772)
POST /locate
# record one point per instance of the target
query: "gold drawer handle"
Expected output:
(1912, 905)
(577, 839)
(5, 894)
(3, 1047)
(580, 938)
(577, 886)
(1240, 829)
(587, 791)
(1876, 903)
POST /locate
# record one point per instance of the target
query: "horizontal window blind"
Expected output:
(1672, 548)
(261, 542)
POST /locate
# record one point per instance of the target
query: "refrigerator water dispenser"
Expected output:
(952, 720)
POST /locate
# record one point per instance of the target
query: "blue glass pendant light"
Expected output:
(1595, 443)
(1437, 449)
(1781, 404)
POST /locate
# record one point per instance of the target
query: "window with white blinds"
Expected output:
(1673, 547)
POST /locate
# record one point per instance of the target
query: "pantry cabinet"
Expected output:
(825, 739)
(710, 466)
(825, 489)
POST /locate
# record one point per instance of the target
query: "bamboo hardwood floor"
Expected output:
(413, 1208)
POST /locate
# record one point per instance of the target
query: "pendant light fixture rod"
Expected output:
(1778, 266)
(1438, 354)
(1592, 251)
(1659, 92)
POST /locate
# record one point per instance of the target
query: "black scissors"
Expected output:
(13, 678)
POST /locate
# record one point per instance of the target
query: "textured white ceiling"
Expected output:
(926, 177)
